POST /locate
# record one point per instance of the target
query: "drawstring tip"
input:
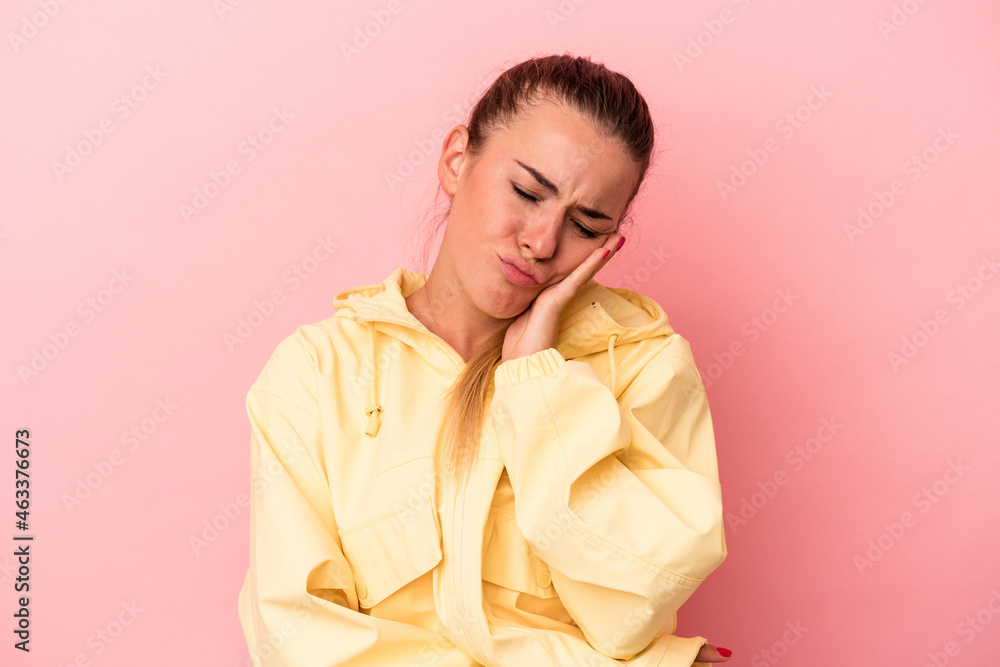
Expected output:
(374, 420)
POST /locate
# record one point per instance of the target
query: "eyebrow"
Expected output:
(546, 183)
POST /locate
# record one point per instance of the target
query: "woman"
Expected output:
(501, 462)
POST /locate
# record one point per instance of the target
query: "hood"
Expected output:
(596, 319)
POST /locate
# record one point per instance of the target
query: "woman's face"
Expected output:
(543, 194)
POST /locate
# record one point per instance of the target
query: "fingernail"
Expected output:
(724, 652)
(606, 253)
(621, 242)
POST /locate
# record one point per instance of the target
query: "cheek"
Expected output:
(506, 212)
(486, 205)
(573, 250)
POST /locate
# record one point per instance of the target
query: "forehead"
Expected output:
(569, 150)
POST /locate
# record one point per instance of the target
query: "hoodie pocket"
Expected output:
(508, 560)
(391, 552)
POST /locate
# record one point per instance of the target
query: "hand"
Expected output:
(537, 327)
(709, 653)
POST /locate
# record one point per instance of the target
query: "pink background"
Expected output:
(852, 371)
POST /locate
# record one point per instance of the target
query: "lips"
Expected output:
(521, 272)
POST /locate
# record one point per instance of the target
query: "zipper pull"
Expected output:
(374, 420)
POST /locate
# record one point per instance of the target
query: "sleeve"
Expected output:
(298, 604)
(621, 500)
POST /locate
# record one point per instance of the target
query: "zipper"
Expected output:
(471, 602)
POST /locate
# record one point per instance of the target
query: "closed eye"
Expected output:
(585, 232)
(523, 194)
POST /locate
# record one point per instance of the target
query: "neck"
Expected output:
(445, 309)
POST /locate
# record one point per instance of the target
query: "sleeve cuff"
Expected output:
(682, 651)
(543, 362)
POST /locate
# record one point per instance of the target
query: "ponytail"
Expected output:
(465, 409)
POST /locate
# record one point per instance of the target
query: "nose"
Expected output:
(540, 235)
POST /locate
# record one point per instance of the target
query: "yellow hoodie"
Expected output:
(592, 512)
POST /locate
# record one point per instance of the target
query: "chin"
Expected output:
(508, 301)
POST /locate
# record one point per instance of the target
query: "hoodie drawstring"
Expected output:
(373, 409)
(611, 358)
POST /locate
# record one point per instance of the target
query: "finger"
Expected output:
(614, 243)
(709, 653)
(566, 288)
(596, 260)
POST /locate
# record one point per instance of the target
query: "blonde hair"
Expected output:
(465, 407)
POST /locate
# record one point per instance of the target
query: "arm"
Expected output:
(298, 605)
(622, 501)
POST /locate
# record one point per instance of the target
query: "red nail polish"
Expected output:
(605, 255)
(724, 652)
(621, 242)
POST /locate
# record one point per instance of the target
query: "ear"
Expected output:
(453, 155)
